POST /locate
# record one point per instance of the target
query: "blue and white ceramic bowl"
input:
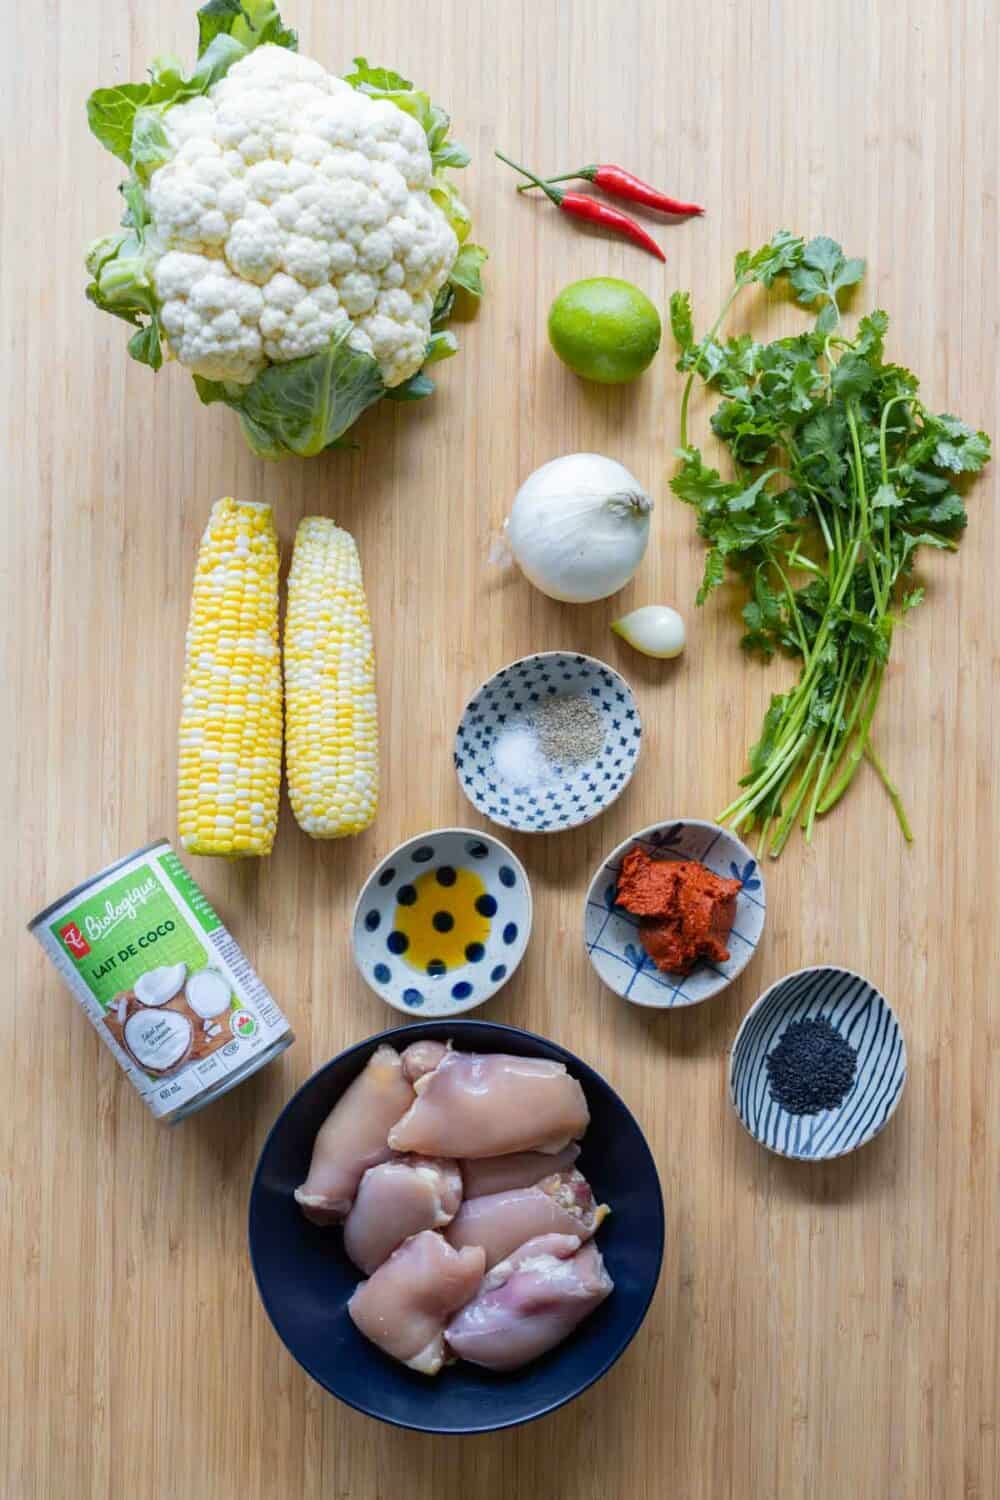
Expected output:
(864, 1019)
(381, 948)
(574, 794)
(611, 934)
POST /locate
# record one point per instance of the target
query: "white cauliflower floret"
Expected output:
(210, 317)
(295, 208)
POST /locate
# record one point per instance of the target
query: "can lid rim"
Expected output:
(253, 1064)
(84, 885)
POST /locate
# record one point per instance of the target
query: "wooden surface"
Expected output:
(826, 1332)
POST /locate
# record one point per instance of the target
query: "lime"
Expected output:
(604, 329)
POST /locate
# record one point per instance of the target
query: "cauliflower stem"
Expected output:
(291, 237)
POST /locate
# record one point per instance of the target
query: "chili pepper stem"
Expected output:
(587, 173)
(550, 192)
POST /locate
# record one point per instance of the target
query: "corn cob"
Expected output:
(332, 740)
(230, 735)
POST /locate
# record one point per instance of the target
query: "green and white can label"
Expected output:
(166, 986)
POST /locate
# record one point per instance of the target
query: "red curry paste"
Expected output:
(686, 912)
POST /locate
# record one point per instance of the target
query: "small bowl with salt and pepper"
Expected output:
(548, 742)
(818, 1065)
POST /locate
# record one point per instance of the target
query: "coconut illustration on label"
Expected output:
(207, 993)
(160, 1042)
(157, 986)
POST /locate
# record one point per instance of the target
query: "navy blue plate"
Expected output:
(305, 1279)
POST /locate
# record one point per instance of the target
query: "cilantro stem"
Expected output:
(857, 750)
(740, 810)
(832, 737)
(686, 397)
(893, 790)
(862, 493)
(859, 699)
(787, 823)
(793, 608)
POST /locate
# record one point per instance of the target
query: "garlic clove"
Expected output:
(207, 993)
(157, 986)
(654, 629)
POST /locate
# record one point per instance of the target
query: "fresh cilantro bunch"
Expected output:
(839, 474)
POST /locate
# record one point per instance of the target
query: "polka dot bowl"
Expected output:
(785, 1077)
(611, 934)
(442, 923)
(570, 795)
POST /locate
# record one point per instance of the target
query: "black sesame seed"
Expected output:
(811, 1068)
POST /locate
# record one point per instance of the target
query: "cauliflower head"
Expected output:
(291, 237)
(295, 208)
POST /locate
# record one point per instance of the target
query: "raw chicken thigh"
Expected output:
(530, 1302)
(397, 1199)
(560, 1204)
(405, 1306)
(422, 1057)
(494, 1174)
(353, 1137)
(475, 1105)
(454, 1176)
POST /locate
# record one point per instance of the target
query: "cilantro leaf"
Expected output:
(681, 320)
(870, 340)
(824, 272)
(713, 575)
(958, 447)
(852, 376)
(781, 253)
(886, 497)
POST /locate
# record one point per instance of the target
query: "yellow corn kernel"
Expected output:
(332, 740)
(229, 772)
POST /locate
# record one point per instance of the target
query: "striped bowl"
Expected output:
(865, 1019)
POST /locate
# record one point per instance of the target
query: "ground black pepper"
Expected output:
(811, 1068)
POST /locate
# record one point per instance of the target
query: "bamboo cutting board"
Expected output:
(823, 1331)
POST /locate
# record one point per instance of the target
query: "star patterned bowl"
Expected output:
(571, 795)
(442, 922)
(611, 934)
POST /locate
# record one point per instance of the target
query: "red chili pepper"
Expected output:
(622, 184)
(581, 206)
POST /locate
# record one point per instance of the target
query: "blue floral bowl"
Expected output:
(611, 934)
(863, 1019)
(570, 795)
(442, 922)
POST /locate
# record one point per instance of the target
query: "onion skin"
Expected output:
(579, 527)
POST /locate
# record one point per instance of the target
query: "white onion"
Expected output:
(654, 629)
(579, 526)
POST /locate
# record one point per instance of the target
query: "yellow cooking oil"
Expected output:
(442, 920)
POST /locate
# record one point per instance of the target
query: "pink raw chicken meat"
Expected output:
(530, 1302)
(499, 1222)
(397, 1199)
(494, 1174)
(405, 1306)
(422, 1057)
(492, 1105)
(353, 1137)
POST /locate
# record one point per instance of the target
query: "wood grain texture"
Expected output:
(818, 1331)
